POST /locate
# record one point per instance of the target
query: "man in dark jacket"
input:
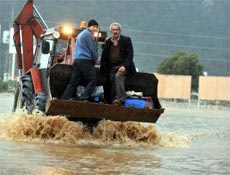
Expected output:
(116, 64)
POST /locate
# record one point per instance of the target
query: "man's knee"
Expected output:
(119, 76)
(93, 82)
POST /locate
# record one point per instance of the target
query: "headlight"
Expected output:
(56, 35)
(97, 34)
(67, 30)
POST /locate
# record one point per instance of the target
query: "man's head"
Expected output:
(93, 25)
(115, 29)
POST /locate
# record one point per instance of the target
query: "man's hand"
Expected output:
(122, 69)
(98, 64)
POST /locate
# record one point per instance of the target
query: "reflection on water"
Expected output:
(31, 158)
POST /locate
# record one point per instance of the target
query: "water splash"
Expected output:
(126, 132)
(58, 129)
(175, 140)
(24, 127)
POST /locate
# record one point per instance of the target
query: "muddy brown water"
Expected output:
(183, 141)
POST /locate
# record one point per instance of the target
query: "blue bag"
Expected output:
(137, 103)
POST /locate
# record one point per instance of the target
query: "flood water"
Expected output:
(183, 141)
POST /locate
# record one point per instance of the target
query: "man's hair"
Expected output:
(92, 22)
(115, 24)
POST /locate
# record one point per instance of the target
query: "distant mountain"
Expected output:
(158, 28)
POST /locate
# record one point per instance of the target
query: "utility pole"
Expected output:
(13, 54)
(0, 37)
(228, 39)
(6, 55)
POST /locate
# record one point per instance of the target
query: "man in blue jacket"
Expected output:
(116, 64)
(85, 57)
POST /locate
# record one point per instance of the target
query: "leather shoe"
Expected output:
(117, 102)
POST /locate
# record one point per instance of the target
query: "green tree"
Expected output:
(182, 63)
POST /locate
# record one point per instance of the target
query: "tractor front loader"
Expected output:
(44, 59)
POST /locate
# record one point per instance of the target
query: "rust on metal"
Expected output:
(78, 109)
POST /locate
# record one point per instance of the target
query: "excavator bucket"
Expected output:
(60, 74)
(79, 109)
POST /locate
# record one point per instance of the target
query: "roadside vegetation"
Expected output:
(7, 86)
(182, 63)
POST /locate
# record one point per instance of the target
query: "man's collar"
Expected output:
(88, 29)
(117, 39)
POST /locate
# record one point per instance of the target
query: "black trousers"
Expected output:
(83, 70)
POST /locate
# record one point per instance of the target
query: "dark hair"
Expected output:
(92, 22)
